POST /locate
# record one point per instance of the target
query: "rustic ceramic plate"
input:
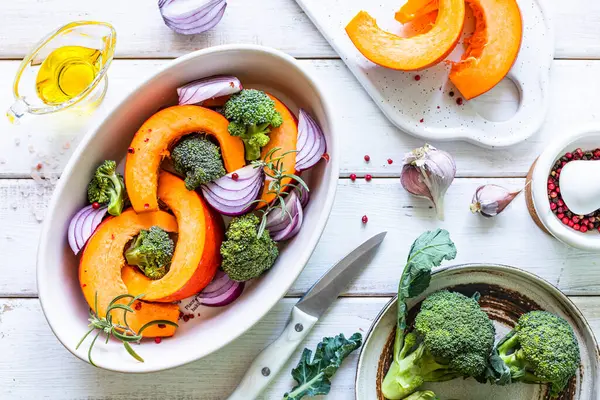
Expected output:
(506, 293)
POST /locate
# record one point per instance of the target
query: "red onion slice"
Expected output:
(82, 226)
(190, 17)
(221, 291)
(284, 226)
(208, 88)
(311, 142)
(235, 197)
(303, 195)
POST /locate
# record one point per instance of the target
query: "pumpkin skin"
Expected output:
(196, 258)
(100, 270)
(286, 138)
(152, 141)
(491, 50)
(414, 53)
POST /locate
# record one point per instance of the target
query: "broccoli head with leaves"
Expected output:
(107, 187)
(198, 160)
(542, 348)
(245, 254)
(452, 338)
(251, 113)
(152, 251)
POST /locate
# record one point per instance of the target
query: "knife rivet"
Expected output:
(266, 371)
(299, 328)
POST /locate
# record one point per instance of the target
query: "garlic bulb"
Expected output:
(491, 200)
(428, 172)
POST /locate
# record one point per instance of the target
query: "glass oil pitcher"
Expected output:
(67, 68)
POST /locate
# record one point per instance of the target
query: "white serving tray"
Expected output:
(424, 108)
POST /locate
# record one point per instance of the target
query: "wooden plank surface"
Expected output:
(574, 99)
(277, 23)
(35, 365)
(512, 238)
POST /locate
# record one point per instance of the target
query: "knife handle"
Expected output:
(270, 361)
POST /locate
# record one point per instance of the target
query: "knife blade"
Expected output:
(304, 316)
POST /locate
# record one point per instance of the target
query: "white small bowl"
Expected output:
(57, 268)
(587, 138)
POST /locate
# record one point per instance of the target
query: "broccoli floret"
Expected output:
(246, 256)
(198, 159)
(151, 251)
(452, 338)
(542, 348)
(107, 187)
(250, 114)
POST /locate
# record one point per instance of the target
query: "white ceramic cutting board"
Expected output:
(425, 107)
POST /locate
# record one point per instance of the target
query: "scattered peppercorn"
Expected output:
(390, 161)
(365, 219)
(417, 77)
(95, 205)
(157, 340)
(451, 93)
(368, 177)
(131, 150)
(422, 120)
(352, 177)
(459, 101)
(367, 158)
(138, 306)
(235, 176)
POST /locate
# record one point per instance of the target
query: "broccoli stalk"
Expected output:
(542, 348)
(424, 395)
(251, 113)
(452, 338)
(246, 255)
(198, 160)
(107, 187)
(152, 251)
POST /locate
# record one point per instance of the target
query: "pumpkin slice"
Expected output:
(285, 137)
(414, 9)
(196, 257)
(152, 141)
(491, 50)
(100, 270)
(414, 53)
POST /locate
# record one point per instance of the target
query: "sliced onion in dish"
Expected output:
(311, 142)
(221, 291)
(208, 88)
(285, 225)
(235, 196)
(190, 17)
(303, 195)
(82, 226)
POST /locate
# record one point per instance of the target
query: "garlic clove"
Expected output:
(490, 200)
(428, 172)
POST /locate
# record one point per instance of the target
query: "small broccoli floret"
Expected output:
(151, 251)
(198, 159)
(107, 187)
(452, 338)
(246, 256)
(542, 348)
(251, 113)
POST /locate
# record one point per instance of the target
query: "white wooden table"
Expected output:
(34, 365)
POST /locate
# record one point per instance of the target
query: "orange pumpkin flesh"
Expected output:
(196, 256)
(414, 53)
(414, 9)
(100, 270)
(285, 137)
(491, 50)
(152, 141)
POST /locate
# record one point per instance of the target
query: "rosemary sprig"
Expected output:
(274, 168)
(124, 333)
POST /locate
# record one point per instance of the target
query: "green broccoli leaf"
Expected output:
(426, 252)
(314, 377)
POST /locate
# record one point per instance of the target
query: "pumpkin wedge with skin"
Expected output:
(491, 50)
(414, 53)
(286, 138)
(196, 258)
(152, 141)
(100, 270)
(414, 9)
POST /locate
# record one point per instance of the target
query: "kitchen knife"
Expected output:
(305, 315)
